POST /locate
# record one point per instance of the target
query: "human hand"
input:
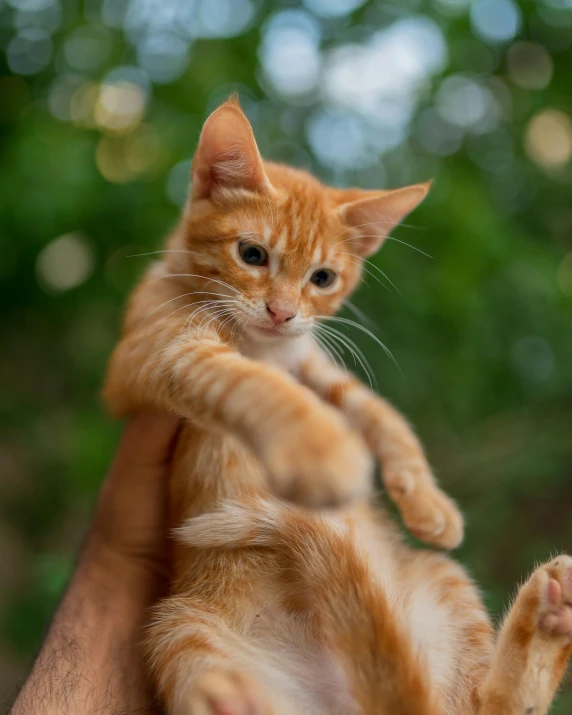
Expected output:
(130, 522)
(90, 660)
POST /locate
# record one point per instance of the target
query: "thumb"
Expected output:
(132, 507)
(147, 442)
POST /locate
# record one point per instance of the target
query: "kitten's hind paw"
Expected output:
(428, 512)
(555, 612)
(226, 692)
(533, 645)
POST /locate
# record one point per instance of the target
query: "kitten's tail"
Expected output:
(326, 576)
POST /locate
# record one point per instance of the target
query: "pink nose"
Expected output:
(279, 313)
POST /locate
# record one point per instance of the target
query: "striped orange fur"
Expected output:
(276, 609)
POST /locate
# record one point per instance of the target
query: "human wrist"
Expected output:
(91, 655)
(119, 575)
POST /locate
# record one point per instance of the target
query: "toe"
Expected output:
(433, 517)
(557, 622)
(553, 592)
(555, 614)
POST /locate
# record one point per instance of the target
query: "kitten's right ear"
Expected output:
(227, 156)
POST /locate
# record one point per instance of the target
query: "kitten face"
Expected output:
(289, 256)
(284, 248)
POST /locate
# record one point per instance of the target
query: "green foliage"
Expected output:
(481, 330)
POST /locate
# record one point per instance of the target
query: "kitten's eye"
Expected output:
(323, 277)
(252, 254)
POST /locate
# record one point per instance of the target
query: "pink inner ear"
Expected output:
(375, 216)
(227, 155)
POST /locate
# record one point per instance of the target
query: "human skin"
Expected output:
(90, 661)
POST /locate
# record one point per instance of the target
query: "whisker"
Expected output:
(239, 319)
(346, 321)
(368, 271)
(270, 209)
(329, 348)
(329, 354)
(212, 305)
(163, 250)
(384, 274)
(360, 314)
(229, 319)
(376, 278)
(179, 250)
(341, 348)
(226, 321)
(379, 223)
(390, 238)
(197, 312)
(183, 295)
(361, 225)
(206, 321)
(195, 275)
(181, 307)
(202, 309)
(356, 352)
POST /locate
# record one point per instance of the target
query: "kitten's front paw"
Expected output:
(319, 461)
(428, 512)
(226, 692)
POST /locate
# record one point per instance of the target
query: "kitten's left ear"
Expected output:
(376, 215)
(227, 156)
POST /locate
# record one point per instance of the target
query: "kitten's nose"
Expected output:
(279, 313)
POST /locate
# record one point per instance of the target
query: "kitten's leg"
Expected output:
(193, 658)
(323, 575)
(310, 454)
(448, 624)
(533, 646)
(225, 692)
(426, 510)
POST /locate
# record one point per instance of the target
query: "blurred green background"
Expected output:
(101, 104)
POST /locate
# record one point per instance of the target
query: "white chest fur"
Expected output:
(286, 354)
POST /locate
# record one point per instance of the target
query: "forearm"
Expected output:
(207, 380)
(307, 451)
(90, 660)
(385, 431)
(425, 509)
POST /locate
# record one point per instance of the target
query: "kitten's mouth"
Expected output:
(272, 331)
(275, 330)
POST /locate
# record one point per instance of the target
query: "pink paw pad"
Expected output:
(556, 609)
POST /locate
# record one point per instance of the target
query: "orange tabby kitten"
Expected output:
(275, 609)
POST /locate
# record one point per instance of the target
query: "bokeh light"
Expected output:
(549, 139)
(119, 106)
(290, 53)
(455, 8)
(87, 48)
(533, 358)
(224, 18)
(333, 8)
(529, 65)
(66, 262)
(338, 139)
(29, 51)
(121, 159)
(82, 104)
(495, 20)
(30, 5)
(178, 182)
(466, 103)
